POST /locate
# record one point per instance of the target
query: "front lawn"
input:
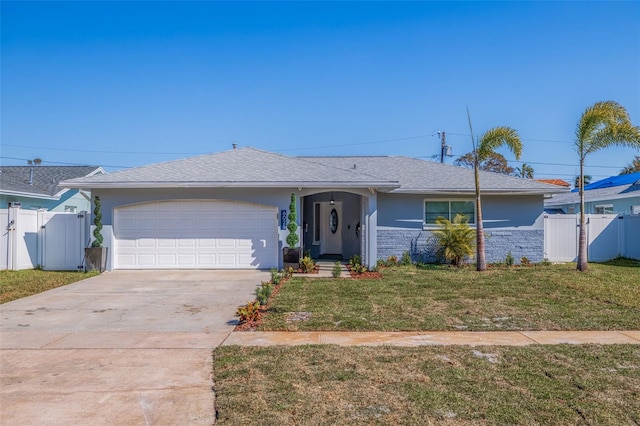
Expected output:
(17, 284)
(535, 384)
(555, 297)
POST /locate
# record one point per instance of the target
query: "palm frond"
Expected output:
(497, 137)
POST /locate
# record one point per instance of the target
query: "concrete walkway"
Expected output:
(412, 338)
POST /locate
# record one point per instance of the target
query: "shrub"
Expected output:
(545, 262)
(264, 292)
(406, 258)
(359, 269)
(292, 226)
(455, 239)
(509, 259)
(288, 273)
(356, 259)
(249, 312)
(307, 265)
(337, 270)
(392, 260)
(524, 261)
(97, 221)
(275, 276)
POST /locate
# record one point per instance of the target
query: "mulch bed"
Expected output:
(366, 274)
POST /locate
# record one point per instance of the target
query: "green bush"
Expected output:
(455, 239)
(337, 270)
(356, 259)
(509, 259)
(406, 258)
(307, 265)
(292, 226)
(524, 261)
(97, 221)
(275, 276)
(264, 292)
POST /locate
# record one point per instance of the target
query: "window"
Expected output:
(71, 209)
(448, 209)
(604, 209)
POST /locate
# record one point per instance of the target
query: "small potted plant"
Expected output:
(96, 255)
(291, 254)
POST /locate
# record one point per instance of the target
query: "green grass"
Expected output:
(556, 297)
(17, 284)
(536, 384)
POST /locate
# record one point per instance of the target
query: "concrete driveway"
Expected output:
(125, 347)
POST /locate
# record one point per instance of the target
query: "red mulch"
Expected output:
(366, 274)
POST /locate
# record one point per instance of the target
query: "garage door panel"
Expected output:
(196, 234)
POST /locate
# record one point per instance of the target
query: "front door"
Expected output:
(331, 228)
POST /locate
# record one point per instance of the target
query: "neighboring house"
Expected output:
(558, 182)
(229, 209)
(37, 187)
(613, 195)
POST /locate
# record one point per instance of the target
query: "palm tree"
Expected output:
(603, 124)
(586, 179)
(526, 171)
(634, 167)
(488, 143)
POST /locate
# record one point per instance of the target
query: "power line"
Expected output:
(67, 164)
(104, 152)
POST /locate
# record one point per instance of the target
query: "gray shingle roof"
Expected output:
(249, 167)
(237, 167)
(46, 179)
(415, 175)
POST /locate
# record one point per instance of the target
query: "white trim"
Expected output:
(218, 184)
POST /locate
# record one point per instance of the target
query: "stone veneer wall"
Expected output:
(421, 244)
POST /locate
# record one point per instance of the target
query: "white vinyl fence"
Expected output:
(52, 241)
(608, 236)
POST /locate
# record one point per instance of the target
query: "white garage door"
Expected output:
(196, 234)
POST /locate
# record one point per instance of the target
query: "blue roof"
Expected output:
(611, 181)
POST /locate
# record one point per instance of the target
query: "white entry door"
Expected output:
(331, 227)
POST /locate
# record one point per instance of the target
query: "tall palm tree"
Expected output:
(602, 125)
(488, 143)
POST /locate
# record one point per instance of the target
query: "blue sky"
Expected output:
(131, 83)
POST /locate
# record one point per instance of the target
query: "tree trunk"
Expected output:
(481, 264)
(582, 239)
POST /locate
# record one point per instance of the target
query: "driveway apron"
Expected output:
(125, 347)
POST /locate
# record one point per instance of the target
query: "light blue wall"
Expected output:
(69, 198)
(512, 223)
(620, 206)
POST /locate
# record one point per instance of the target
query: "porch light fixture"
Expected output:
(332, 201)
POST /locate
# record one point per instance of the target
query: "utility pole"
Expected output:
(443, 146)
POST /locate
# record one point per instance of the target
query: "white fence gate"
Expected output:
(608, 236)
(53, 241)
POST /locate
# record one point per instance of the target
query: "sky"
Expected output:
(124, 84)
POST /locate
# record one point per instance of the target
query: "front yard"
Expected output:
(453, 385)
(17, 284)
(555, 297)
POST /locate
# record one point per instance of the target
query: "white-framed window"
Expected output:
(603, 209)
(448, 209)
(635, 209)
(71, 209)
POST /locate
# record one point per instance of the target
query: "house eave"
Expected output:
(229, 184)
(466, 191)
(30, 195)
